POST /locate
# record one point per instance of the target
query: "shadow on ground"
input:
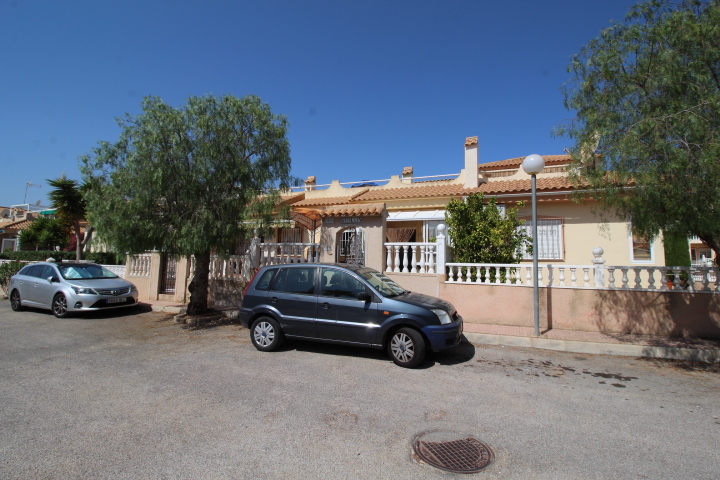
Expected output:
(464, 352)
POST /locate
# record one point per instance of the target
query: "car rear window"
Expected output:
(266, 279)
(296, 280)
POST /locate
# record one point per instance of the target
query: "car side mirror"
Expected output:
(364, 296)
(52, 279)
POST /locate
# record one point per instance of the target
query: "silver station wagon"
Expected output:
(349, 305)
(68, 287)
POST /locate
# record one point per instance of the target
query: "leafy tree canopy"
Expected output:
(189, 180)
(482, 234)
(44, 234)
(67, 200)
(647, 96)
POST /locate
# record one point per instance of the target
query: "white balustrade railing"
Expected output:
(118, 270)
(226, 268)
(410, 257)
(277, 253)
(140, 265)
(600, 277)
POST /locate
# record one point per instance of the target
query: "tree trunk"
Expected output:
(199, 285)
(86, 240)
(715, 246)
(78, 243)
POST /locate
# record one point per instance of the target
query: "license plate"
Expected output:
(115, 300)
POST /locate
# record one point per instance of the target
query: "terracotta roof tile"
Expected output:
(322, 201)
(353, 210)
(517, 162)
(458, 190)
(19, 225)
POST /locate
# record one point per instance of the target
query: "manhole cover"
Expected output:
(453, 451)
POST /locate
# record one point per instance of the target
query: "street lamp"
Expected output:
(534, 164)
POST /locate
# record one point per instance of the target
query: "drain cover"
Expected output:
(453, 451)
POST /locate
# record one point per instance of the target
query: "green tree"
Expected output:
(481, 233)
(44, 234)
(69, 204)
(189, 180)
(647, 131)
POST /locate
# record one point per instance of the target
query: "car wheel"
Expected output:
(266, 334)
(407, 348)
(15, 302)
(59, 306)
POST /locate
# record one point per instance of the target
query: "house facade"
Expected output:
(361, 222)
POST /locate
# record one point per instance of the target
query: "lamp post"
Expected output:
(534, 164)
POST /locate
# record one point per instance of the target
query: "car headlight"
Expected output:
(133, 288)
(442, 316)
(85, 290)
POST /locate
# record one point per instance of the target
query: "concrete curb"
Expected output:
(708, 355)
(168, 309)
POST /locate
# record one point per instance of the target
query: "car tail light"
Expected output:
(247, 287)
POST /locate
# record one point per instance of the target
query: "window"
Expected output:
(550, 239)
(642, 250)
(340, 284)
(290, 235)
(296, 280)
(267, 277)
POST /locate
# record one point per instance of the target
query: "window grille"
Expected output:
(550, 239)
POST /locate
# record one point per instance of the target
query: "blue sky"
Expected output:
(369, 87)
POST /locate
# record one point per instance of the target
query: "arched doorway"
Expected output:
(350, 246)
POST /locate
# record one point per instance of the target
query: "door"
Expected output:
(44, 288)
(168, 275)
(293, 295)
(351, 247)
(340, 314)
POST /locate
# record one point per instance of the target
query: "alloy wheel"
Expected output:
(402, 347)
(264, 334)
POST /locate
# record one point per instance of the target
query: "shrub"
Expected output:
(7, 270)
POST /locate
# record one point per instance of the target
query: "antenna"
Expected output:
(29, 184)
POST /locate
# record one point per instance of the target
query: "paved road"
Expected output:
(133, 395)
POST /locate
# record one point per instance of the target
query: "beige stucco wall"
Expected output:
(374, 228)
(610, 311)
(583, 231)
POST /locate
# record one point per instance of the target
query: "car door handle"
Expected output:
(325, 305)
(274, 300)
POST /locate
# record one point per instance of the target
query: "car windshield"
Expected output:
(382, 283)
(85, 272)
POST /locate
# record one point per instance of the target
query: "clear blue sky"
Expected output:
(368, 86)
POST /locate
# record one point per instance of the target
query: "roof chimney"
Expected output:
(310, 183)
(472, 157)
(407, 175)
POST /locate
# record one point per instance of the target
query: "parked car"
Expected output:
(346, 304)
(68, 287)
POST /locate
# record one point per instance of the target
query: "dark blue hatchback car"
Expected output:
(346, 304)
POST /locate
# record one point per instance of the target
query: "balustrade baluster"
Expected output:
(625, 279)
(705, 279)
(651, 278)
(573, 276)
(431, 266)
(551, 275)
(406, 258)
(413, 256)
(422, 259)
(397, 258)
(611, 279)
(562, 276)
(663, 279)
(528, 276)
(638, 280)
(586, 276)
(540, 276)
(388, 260)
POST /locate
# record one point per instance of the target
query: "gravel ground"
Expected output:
(133, 395)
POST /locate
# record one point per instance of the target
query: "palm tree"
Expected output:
(69, 204)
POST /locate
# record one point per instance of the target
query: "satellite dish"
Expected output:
(37, 203)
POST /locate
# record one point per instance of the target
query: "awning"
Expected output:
(47, 212)
(400, 216)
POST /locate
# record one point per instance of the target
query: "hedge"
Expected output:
(104, 258)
